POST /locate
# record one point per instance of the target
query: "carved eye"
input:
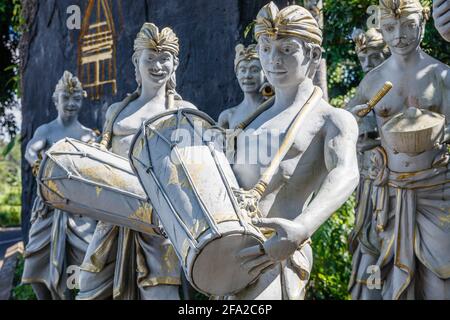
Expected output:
(389, 28)
(287, 50)
(265, 49)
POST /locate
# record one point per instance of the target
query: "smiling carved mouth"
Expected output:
(402, 45)
(278, 72)
(157, 74)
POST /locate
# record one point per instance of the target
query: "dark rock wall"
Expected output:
(208, 31)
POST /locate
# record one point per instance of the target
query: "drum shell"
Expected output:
(82, 179)
(195, 208)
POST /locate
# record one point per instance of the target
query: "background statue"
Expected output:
(252, 81)
(370, 48)
(121, 263)
(408, 237)
(372, 51)
(319, 171)
(441, 15)
(57, 239)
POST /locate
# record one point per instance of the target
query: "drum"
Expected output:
(84, 179)
(189, 182)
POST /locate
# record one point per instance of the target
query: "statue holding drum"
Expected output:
(311, 173)
(122, 263)
(57, 239)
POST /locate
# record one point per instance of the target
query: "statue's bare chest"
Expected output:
(258, 145)
(130, 120)
(421, 90)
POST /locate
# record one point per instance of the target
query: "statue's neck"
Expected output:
(67, 122)
(410, 60)
(252, 99)
(152, 93)
(298, 94)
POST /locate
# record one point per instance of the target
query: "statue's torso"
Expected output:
(56, 132)
(128, 123)
(300, 173)
(235, 115)
(421, 87)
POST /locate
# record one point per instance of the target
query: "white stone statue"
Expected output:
(441, 15)
(121, 263)
(408, 239)
(253, 83)
(370, 48)
(57, 239)
(372, 51)
(319, 171)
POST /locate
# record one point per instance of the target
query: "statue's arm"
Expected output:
(36, 145)
(445, 108)
(342, 166)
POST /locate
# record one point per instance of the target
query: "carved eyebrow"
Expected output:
(290, 41)
(409, 21)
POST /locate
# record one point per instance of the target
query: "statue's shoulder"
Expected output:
(340, 118)
(45, 129)
(184, 104)
(226, 113)
(113, 109)
(442, 71)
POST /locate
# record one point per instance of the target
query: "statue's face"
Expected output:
(370, 59)
(283, 61)
(402, 35)
(156, 67)
(250, 75)
(69, 105)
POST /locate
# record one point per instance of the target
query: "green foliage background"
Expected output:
(10, 28)
(10, 186)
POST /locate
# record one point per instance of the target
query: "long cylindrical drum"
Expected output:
(189, 182)
(84, 179)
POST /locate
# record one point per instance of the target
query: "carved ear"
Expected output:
(239, 48)
(176, 63)
(316, 54)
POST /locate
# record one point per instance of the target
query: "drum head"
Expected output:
(217, 269)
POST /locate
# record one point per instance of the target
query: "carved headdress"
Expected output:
(398, 8)
(151, 38)
(293, 21)
(69, 83)
(165, 40)
(371, 39)
(245, 53)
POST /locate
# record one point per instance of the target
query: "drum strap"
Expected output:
(288, 141)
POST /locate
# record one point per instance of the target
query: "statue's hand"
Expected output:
(35, 167)
(441, 15)
(357, 109)
(287, 239)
